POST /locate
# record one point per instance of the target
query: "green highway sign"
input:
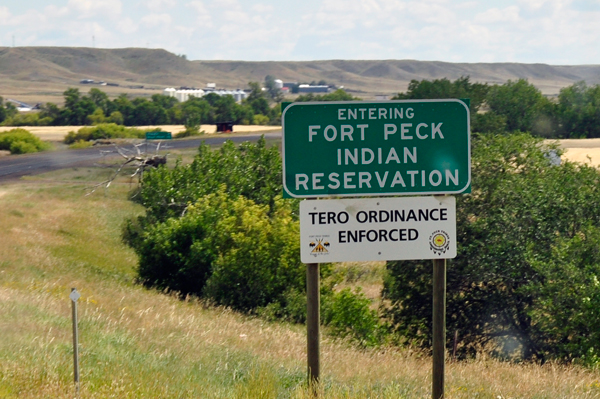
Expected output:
(376, 148)
(158, 136)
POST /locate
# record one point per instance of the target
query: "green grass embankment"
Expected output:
(138, 343)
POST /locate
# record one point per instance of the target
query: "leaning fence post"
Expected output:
(74, 297)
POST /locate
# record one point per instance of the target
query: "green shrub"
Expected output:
(190, 131)
(81, 144)
(219, 229)
(21, 141)
(231, 251)
(22, 147)
(251, 170)
(527, 243)
(259, 255)
(348, 315)
(105, 131)
(291, 307)
(27, 119)
(260, 119)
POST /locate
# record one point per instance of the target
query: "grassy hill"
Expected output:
(40, 74)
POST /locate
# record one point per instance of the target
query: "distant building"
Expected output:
(313, 89)
(185, 94)
(23, 107)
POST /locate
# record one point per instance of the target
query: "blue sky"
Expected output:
(559, 32)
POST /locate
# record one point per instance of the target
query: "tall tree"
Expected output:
(444, 88)
(579, 111)
(523, 106)
(2, 110)
(77, 107)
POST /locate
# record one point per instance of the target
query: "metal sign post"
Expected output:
(313, 322)
(74, 297)
(439, 327)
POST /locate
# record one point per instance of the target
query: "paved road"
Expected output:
(15, 166)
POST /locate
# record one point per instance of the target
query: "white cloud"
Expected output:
(95, 8)
(154, 20)
(203, 17)
(4, 15)
(127, 26)
(496, 15)
(160, 5)
(53, 11)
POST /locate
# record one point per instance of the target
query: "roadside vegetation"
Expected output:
(21, 141)
(106, 131)
(137, 342)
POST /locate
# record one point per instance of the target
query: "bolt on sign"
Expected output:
(376, 148)
(371, 229)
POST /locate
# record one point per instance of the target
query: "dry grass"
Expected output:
(140, 343)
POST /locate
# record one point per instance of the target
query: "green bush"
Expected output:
(260, 119)
(567, 305)
(219, 229)
(22, 147)
(190, 131)
(527, 240)
(250, 170)
(21, 141)
(81, 144)
(27, 119)
(348, 315)
(231, 251)
(105, 131)
(259, 255)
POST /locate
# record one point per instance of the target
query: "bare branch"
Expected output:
(139, 160)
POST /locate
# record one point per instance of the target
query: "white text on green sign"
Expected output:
(380, 148)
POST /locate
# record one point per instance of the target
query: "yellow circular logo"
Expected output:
(439, 242)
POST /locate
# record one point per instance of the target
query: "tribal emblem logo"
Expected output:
(319, 247)
(439, 242)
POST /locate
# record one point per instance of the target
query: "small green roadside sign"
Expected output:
(158, 136)
(354, 148)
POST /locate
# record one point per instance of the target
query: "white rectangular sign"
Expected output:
(372, 229)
